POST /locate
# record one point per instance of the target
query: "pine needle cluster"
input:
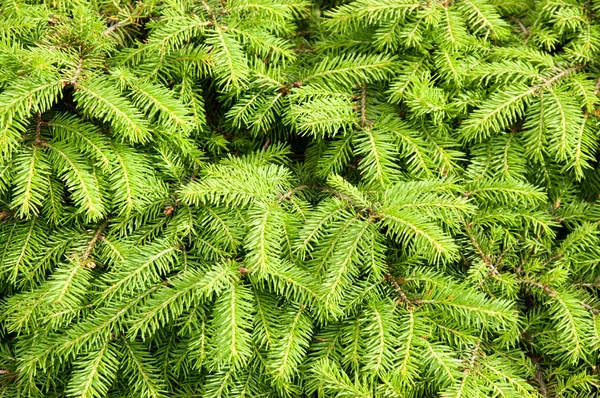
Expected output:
(260, 198)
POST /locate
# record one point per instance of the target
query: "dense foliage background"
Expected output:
(277, 198)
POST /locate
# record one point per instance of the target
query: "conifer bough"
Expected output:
(259, 198)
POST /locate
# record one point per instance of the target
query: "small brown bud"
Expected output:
(168, 211)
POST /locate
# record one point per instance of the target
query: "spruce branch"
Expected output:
(374, 198)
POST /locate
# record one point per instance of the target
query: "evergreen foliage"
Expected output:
(258, 198)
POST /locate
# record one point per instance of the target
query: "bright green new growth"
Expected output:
(258, 198)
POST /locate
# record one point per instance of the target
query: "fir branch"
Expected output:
(249, 198)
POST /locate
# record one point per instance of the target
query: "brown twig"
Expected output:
(474, 354)
(541, 286)
(403, 298)
(558, 76)
(552, 258)
(363, 106)
(539, 376)
(88, 250)
(38, 129)
(8, 374)
(519, 269)
(471, 363)
(587, 284)
(501, 256)
(597, 87)
(521, 26)
(78, 70)
(116, 26)
(291, 192)
(486, 259)
(208, 10)
(588, 307)
(301, 33)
